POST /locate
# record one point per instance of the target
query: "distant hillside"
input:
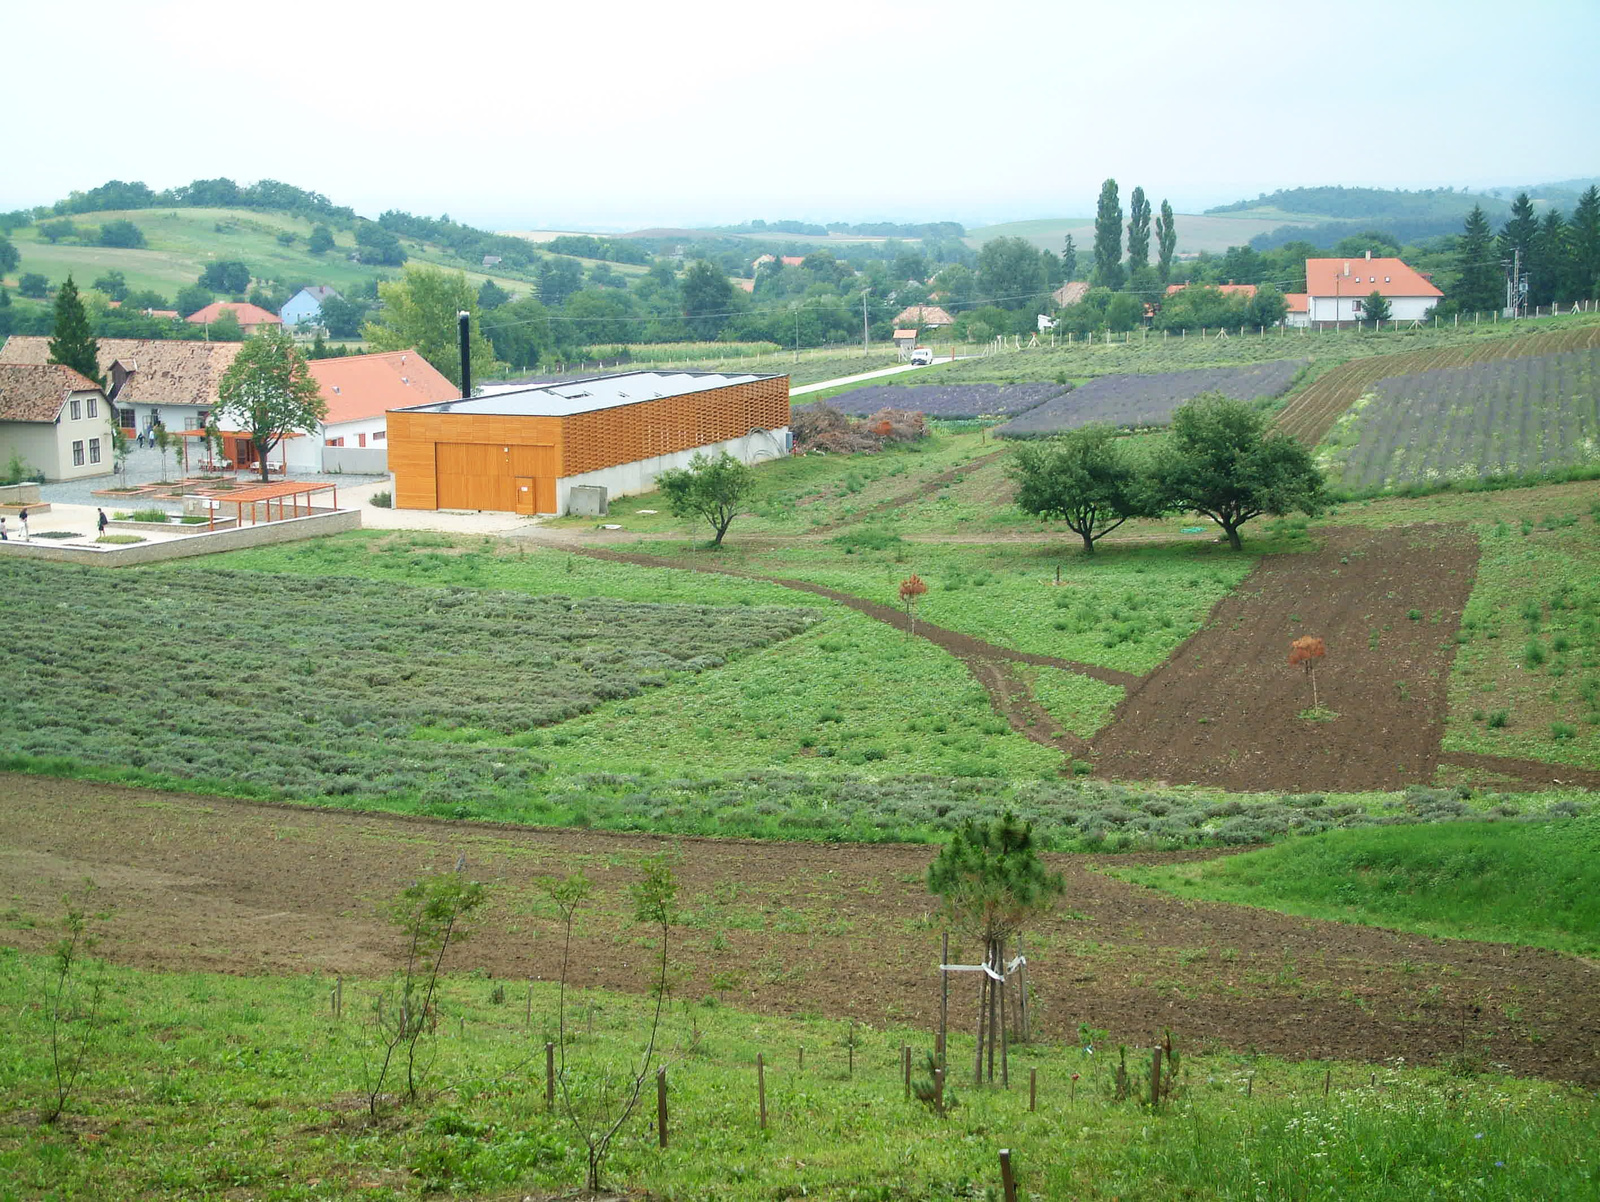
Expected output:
(1409, 216)
(1196, 232)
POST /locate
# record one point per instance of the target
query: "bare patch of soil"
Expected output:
(1224, 710)
(206, 884)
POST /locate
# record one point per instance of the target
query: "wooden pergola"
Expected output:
(286, 493)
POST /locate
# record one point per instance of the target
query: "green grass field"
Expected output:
(200, 1085)
(1534, 883)
(182, 241)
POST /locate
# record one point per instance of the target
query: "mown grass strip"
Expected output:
(1513, 882)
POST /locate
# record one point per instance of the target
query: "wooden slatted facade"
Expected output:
(513, 462)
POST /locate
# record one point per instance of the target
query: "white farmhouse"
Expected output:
(1337, 288)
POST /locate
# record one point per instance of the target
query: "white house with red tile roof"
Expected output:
(54, 420)
(1336, 288)
(251, 317)
(359, 391)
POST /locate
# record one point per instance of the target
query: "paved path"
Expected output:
(866, 375)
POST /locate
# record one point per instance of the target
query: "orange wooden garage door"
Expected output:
(484, 475)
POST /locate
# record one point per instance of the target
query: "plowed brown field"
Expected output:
(205, 884)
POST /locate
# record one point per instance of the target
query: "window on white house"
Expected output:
(380, 436)
(126, 419)
(77, 410)
(361, 440)
(94, 448)
(77, 453)
(94, 407)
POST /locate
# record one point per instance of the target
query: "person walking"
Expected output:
(4, 537)
(22, 520)
(100, 522)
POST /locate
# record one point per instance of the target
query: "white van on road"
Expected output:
(921, 356)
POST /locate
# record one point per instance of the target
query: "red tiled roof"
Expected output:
(32, 392)
(248, 314)
(1070, 293)
(743, 285)
(154, 371)
(923, 315)
(364, 386)
(1247, 291)
(1362, 277)
(1298, 302)
(793, 260)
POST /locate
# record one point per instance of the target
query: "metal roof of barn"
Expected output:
(584, 396)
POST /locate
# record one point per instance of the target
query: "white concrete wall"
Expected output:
(201, 542)
(364, 461)
(630, 479)
(306, 453)
(1343, 308)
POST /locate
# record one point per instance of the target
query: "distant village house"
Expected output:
(55, 421)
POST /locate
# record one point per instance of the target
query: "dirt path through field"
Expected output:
(199, 883)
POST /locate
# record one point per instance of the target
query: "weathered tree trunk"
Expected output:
(983, 1011)
(994, 1009)
(1005, 1043)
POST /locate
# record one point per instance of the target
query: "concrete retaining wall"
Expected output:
(19, 494)
(184, 546)
(630, 479)
(361, 461)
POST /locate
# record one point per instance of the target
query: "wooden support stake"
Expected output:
(661, 1106)
(802, 1055)
(1327, 1083)
(944, 999)
(1033, 1089)
(905, 1067)
(550, 1075)
(1007, 1181)
(761, 1087)
(527, 1013)
(1155, 1077)
(338, 997)
(852, 1069)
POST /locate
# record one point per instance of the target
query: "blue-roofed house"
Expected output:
(305, 306)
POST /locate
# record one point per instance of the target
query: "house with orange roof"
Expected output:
(359, 391)
(251, 317)
(1337, 288)
(54, 420)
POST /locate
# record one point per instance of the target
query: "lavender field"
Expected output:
(948, 400)
(1511, 417)
(1148, 400)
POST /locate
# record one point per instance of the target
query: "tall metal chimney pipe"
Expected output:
(464, 318)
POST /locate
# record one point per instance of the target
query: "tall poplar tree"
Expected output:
(72, 342)
(1069, 259)
(1166, 242)
(1108, 238)
(1585, 239)
(1480, 286)
(1138, 233)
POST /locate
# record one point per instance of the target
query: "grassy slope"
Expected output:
(1534, 883)
(182, 241)
(204, 1085)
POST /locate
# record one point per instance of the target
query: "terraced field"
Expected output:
(1312, 414)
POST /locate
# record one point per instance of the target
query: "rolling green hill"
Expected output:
(182, 241)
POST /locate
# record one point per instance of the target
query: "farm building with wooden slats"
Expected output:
(524, 450)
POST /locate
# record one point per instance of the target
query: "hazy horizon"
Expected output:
(718, 114)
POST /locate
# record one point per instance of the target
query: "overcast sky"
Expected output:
(626, 114)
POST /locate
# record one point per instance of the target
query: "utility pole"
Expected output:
(864, 322)
(1514, 282)
(797, 333)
